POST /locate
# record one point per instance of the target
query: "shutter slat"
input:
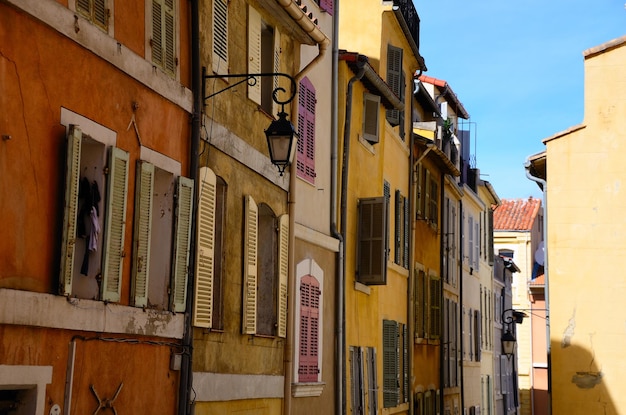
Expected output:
(182, 239)
(141, 235)
(250, 266)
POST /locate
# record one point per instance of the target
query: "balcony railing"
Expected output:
(412, 19)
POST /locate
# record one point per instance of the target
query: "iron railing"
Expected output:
(412, 19)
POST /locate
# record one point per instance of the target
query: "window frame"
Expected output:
(371, 118)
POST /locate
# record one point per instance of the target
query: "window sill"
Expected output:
(362, 288)
(304, 390)
(396, 409)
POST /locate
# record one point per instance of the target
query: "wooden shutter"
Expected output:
(372, 381)
(254, 52)
(157, 32)
(394, 79)
(372, 256)
(426, 195)
(478, 334)
(283, 272)
(434, 202)
(144, 189)
(397, 250)
(405, 363)
(72, 180)
(407, 234)
(371, 105)
(163, 34)
(327, 6)
(205, 245)
(357, 390)
(470, 240)
(419, 195)
(306, 131)
(117, 189)
(391, 392)
(276, 108)
(420, 304)
(251, 227)
(308, 368)
(182, 239)
(95, 10)
(220, 36)
(434, 302)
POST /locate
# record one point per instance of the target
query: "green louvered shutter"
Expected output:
(115, 222)
(144, 190)
(391, 385)
(283, 270)
(204, 276)
(254, 52)
(182, 238)
(72, 178)
(251, 233)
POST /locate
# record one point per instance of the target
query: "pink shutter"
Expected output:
(308, 368)
(306, 131)
(327, 6)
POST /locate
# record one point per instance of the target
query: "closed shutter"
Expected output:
(220, 36)
(420, 304)
(276, 108)
(478, 334)
(398, 228)
(117, 190)
(356, 381)
(470, 240)
(144, 189)
(72, 179)
(434, 202)
(283, 271)
(306, 131)
(391, 392)
(435, 308)
(254, 52)
(405, 363)
(205, 245)
(327, 6)
(407, 235)
(251, 226)
(309, 329)
(371, 106)
(372, 257)
(95, 10)
(394, 79)
(372, 381)
(182, 239)
(426, 194)
(419, 195)
(163, 35)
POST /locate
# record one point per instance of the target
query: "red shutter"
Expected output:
(327, 6)
(308, 367)
(306, 131)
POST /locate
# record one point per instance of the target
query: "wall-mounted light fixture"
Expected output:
(281, 132)
(509, 317)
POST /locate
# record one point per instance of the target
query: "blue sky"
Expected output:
(517, 67)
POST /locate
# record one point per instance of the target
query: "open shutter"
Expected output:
(182, 238)
(117, 189)
(72, 179)
(157, 32)
(397, 251)
(407, 235)
(435, 308)
(251, 233)
(204, 276)
(394, 79)
(405, 363)
(141, 235)
(220, 37)
(283, 270)
(478, 331)
(391, 392)
(170, 40)
(254, 52)
(163, 34)
(327, 6)
(372, 381)
(371, 106)
(276, 108)
(372, 256)
(306, 131)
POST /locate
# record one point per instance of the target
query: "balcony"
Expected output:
(411, 18)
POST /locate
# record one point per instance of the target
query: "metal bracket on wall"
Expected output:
(106, 403)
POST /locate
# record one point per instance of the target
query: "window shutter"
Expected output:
(371, 105)
(182, 239)
(397, 250)
(327, 6)
(283, 271)
(308, 369)
(476, 245)
(394, 79)
(478, 335)
(204, 275)
(220, 36)
(407, 235)
(306, 131)
(405, 363)
(250, 265)
(470, 240)
(141, 236)
(276, 108)
(163, 34)
(170, 41)
(157, 32)
(391, 393)
(115, 224)
(420, 304)
(372, 380)
(426, 192)
(434, 202)
(100, 13)
(372, 257)
(72, 179)
(84, 6)
(419, 194)
(254, 52)
(435, 308)
(356, 372)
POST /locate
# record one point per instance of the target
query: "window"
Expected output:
(433, 197)
(372, 252)
(421, 315)
(395, 79)
(427, 197)
(434, 308)
(94, 227)
(401, 245)
(208, 304)
(395, 364)
(265, 271)
(450, 236)
(371, 106)
(306, 131)
(470, 240)
(163, 36)
(263, 57)
(220, 37)
(95, 11)
(428, 306)
(363, 390)
(451, 343)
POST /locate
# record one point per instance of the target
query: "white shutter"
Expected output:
(220, 36)
(250, 265)
(72, 180)
(117, 189)
(254, 52)
(141, 235)
(182, 238)
(283, 272)
(277, 51)
(204, 275)
(170, 36)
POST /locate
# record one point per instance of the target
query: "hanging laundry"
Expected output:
(88, 222)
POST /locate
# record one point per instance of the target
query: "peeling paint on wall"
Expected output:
(587, 380)
(569, 331)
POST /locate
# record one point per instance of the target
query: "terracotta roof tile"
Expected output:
(516, 214)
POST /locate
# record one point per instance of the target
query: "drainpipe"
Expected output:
(322, 41)
(186, 373)
(340, 323)
(460, 311)
(544, 187)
